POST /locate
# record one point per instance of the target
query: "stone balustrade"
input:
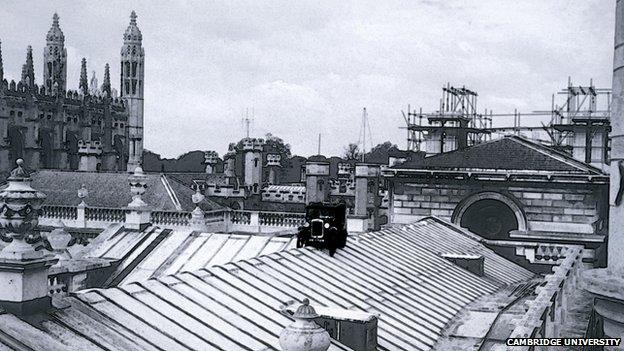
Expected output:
(225, 220)
(60, 212)
(56, 286)
(99, 214)
(241, 217)
(281, 219)
(170, 218)
(549, 310)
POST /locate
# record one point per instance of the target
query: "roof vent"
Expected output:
(470, 262)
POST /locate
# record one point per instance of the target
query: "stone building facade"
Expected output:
(506, 190)
(44, 124)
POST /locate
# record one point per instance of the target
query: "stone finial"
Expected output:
(59, 240)
(304, 334)
(198, 221)
(138, 186)
(19, 214)
(83, 193)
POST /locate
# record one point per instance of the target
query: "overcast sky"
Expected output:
(309, 67)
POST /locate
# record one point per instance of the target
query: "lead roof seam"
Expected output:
(171, 258)
(78, 314)
(149, 326)
(234, 257)
(429, 281)
(331, 296)
(63, 325)
(397, 295)
(392, 246)
(235, 298)
(417, 283)
(176, 307)
(122, 291)
(242, 316)
(397, 310)
(184, 264)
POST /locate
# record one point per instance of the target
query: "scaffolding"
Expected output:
(578, 125)
(455, 125)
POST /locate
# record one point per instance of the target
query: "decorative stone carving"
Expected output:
(304, 334)
(19, 213)
(138, 186)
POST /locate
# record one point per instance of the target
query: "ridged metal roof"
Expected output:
(397, 273)
(183, 251)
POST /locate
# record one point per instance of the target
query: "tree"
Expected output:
(278, 145)
(352, 152)
(379, 153)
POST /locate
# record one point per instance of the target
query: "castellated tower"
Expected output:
(55, 59)
(132, 73)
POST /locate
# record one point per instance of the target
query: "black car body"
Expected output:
(325, 227)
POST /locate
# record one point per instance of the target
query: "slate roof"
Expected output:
(189, 178)
(111, 190)
(509, 153)
(397, 273)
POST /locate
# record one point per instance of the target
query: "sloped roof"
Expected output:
(237, 306)
(183, 251)
(188, 178)
(112, 190)
(509, 153)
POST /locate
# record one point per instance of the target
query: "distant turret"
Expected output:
(28, 70)
(83, 85)
(55, 59)
(132, 68)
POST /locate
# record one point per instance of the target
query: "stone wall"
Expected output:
(545, 207)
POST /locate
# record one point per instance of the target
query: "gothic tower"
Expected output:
(132, 68)
(28, 70)
(55, 59)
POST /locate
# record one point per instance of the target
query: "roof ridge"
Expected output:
(555, 154)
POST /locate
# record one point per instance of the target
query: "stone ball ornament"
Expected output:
(304, 334)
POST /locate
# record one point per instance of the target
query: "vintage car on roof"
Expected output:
(324, 228)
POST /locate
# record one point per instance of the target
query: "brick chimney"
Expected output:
(23, 270)
(367, 200)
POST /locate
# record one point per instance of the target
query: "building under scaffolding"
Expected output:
(578, 125)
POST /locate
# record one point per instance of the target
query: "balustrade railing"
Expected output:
(281, 219)
(60, 212)
(56, 286)
(243, 220)
(548, 311)
(174, 218)
(241, 217)
(101, 214)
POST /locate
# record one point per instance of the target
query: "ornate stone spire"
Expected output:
(304, 334)
(19, 215)
(55, 34)
(133, 34)
(93, 85)
(55, 59)
(28, 70)
(106, 85)
(84, 84)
